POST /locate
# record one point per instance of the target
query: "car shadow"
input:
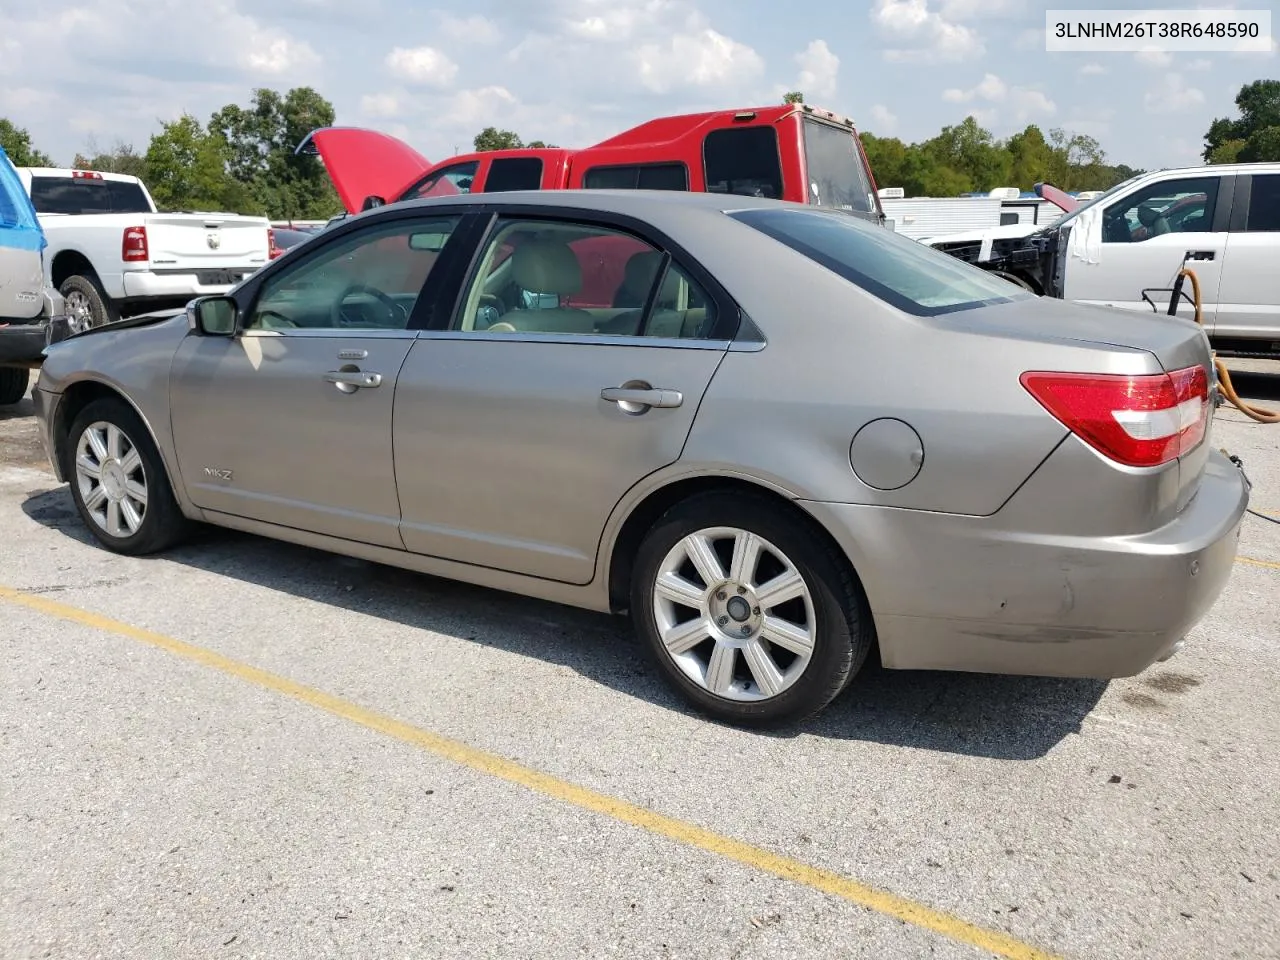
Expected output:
(1008, 718)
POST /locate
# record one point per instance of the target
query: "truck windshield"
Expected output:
(837, 176)
(903, 273)
(87, 195)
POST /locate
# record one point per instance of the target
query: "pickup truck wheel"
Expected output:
(13, 384)
(118, 481)
(87, 305)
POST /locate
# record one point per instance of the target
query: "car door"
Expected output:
(520, 427)
(289, 420)
(1250, 298)
(1146, 236)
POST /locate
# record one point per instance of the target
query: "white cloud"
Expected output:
(981, 9)
(923, 34)
(885, 119)
(424, 65)
(473, 29)
(818, 69)
(1092, 70)
(380, 105)
(1172, 95)
(1154, 57)
(1200, 66)
(703, 59)
(1023, 103)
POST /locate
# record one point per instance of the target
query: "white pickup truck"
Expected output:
(1221, 221)
(111, 253)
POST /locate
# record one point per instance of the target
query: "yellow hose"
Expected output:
(1260, 414)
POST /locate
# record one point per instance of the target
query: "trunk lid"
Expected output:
(364, 163)
(206, 241)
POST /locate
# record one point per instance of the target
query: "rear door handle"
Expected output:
(349, 380)
(1200, 255)
(634, 398)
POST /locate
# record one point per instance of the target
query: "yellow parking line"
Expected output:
(786, 868)
(1259, 563)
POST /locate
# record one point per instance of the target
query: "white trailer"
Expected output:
(918, 217)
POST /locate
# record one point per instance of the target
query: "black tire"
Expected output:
(163, 523)
(13, 384)
(100, 307)
(843, 631)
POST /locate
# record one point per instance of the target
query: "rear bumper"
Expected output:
(184, 284)
(962, 593)
(24, 343)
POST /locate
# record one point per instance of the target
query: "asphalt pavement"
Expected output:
(246, 749)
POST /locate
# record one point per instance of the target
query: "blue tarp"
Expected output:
(19, 226)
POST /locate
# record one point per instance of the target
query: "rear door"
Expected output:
(289, 421)
(521, 425)
(1250, 294)
(1146, 236)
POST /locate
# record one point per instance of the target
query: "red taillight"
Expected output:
(1139, 421)
(133, 247)
(272, 250)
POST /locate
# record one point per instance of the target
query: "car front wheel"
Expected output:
(753, 618)
(118, 481)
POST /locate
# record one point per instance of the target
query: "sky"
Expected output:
(573, 72)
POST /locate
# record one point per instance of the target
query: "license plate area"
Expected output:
(213, 278)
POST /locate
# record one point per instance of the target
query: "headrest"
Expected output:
(640, 271)
(546, 266)
(1148, 215)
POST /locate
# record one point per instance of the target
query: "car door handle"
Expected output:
(642, 397)
(1199, 255)
(351, 379)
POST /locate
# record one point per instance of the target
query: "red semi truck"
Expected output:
(794, 152)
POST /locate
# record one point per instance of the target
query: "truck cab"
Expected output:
(795, 152)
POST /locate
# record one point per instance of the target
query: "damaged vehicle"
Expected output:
(1125, 248)
(32, 313)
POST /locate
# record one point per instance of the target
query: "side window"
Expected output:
(513, 173)
(370, 279)
(649, 176)
(569, 278)
(744, 161)
(1172, 206)
(1264, 204)
(448, 182)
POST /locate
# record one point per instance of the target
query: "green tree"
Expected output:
(1252, 137)
(261, 139)
(121, 158)
(795, 96)
(491, 138)
(186, 169)
(970, 155)
(17, 144)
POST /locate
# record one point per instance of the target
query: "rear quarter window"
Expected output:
(744, 161)
(902, 272)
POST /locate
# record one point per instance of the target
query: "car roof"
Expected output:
(639, 203)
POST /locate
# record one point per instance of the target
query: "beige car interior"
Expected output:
(546, 265)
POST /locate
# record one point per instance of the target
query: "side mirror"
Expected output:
(372, 201)
(213, 316)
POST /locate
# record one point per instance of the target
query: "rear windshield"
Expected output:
(85, 195)
(904, 273)
(648, 176)
(837, 176)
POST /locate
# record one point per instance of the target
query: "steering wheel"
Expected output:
(394, 310)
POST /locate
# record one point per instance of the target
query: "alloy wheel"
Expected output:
(111, 479)
(734, 614)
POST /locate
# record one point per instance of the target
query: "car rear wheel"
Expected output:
(118, 481)
(750, 616)
(87, 305)
(13, 384)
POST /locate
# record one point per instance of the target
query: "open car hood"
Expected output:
(364, 163)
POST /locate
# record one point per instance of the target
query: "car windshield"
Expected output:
(837, 177)
(904, 273)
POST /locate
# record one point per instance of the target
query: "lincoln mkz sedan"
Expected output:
(778, 437)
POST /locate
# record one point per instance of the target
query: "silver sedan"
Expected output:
(779, 437)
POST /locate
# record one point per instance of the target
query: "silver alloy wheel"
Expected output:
(745, 633)
(78, 310)
(111, 479)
